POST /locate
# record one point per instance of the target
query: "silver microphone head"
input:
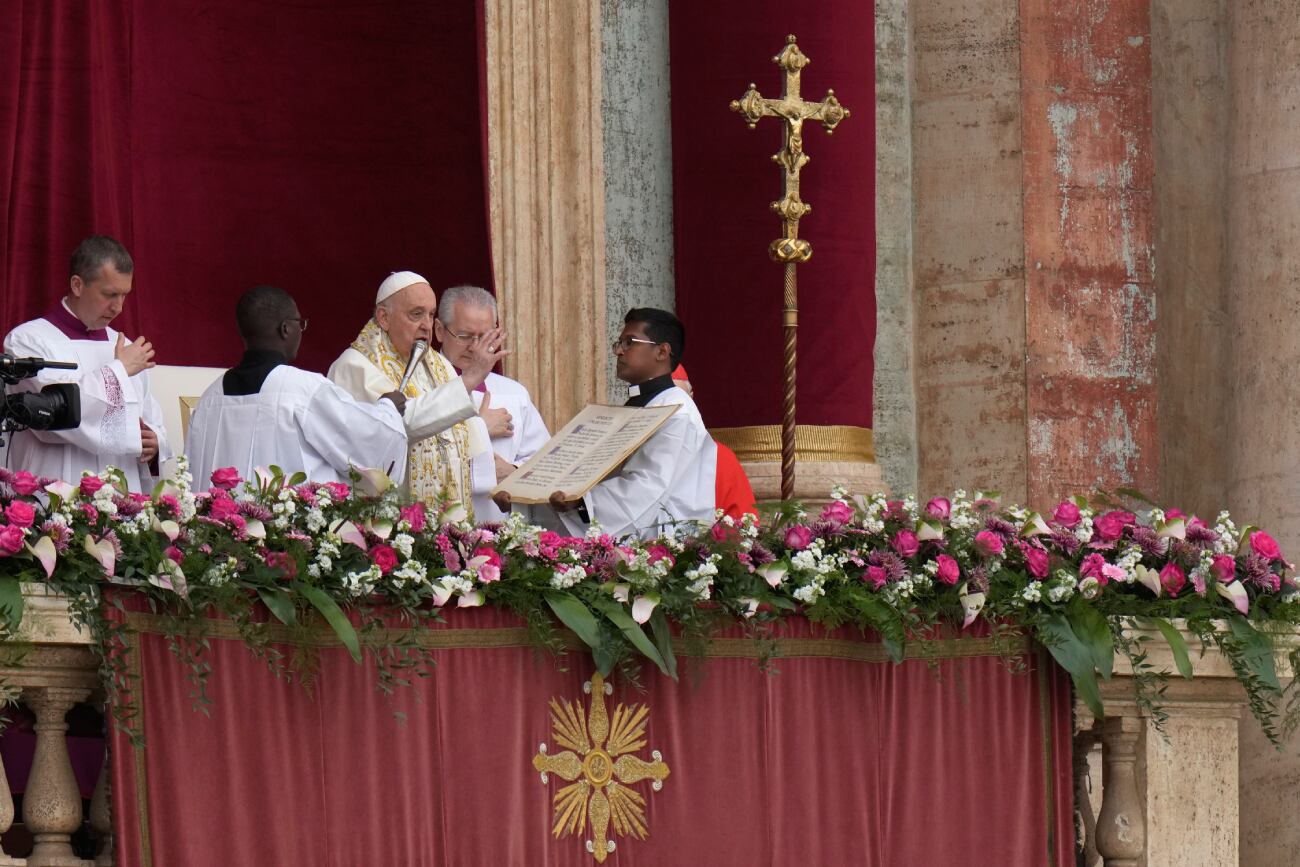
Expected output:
(418, 348)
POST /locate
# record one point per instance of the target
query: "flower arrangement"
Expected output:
(1070, 578)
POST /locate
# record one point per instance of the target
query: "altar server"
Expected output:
(506, 414)
(267, 412)
(669, 481)
(121, 423)
(442, 446)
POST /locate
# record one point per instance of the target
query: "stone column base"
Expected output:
(813, 480)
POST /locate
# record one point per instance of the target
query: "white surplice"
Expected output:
(112, 407)
(530, 434)
(669, 480)
(300, 422)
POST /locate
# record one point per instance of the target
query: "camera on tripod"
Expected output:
(55, 407)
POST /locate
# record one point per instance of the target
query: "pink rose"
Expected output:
(838, 512)
(1265, 545)
(1037, 560)
(414, 515)
(223, 508)
(1224, 568)
(1093, 566)
(384, 557)
(988, 543)
(939, 507)
(798, 537)
(174, 554)
(1110, 526)
(894, 510)
(487, 573)
(876, 576)
(20, 514)
(949, 571)
(89, 513)
(655, 553)
(1111, 572)
(906, 543)
(493, 558)
(24, 483)
(338, 490)
(720, 532)
(1175, 514)
(1067, 514)
(11, 539)
(225, 478)
(90, 484)
(1172, 578)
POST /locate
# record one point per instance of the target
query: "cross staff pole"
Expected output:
(790, 249)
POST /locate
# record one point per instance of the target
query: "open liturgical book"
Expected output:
(590, 447)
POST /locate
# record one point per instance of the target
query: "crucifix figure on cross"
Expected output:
(790, 249)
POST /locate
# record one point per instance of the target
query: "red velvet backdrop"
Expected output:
(728, 291)
(831, 761)
(312, 144)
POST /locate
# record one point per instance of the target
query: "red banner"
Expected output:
(837, 756)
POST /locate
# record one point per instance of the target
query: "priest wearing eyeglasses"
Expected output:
(265, 412)
(669, 481)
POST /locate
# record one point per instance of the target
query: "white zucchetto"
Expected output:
(396, 282)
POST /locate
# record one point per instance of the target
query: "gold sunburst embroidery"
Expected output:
(599, 767)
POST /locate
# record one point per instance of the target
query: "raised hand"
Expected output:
(136, 356)
(484, 355)
(397, 399)
(497, 419)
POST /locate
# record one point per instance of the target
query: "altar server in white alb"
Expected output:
(466, 315)
(669, 481)
(442, 446)
(121, 423)
(266, 412)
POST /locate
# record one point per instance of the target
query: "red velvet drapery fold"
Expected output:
(830, 761)
(311, 144)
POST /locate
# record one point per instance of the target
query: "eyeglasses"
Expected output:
(466, 338)
(301, 320)
(625, 343)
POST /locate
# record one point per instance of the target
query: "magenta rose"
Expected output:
(1110, 526)
(1037, 560)
(338, 490)
(939, 507)
(988, 543)
(1265, 545)
(1067, 514)
(949, 570)
(1093, 566)
(11, 539)
(225, 478)
(1173, 579)
(798, 537)
(838, 512)
(1224, 568)
(655, 553)
(223, 509)
(176, 555)
(24, 483)
(493, 558)
(414, 515)
(876, 576)
(906, 543)
(20, 514)
(90, 484)
(384, 557)
(1175, 514)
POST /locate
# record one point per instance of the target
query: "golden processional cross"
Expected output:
(790, 249)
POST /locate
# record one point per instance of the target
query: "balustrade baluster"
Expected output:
(52, 802)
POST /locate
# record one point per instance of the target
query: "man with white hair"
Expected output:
(442, 444)
(466, 316)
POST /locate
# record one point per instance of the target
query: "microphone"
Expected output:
(13, 369)
(418, 348)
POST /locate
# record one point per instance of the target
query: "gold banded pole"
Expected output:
(790, 249)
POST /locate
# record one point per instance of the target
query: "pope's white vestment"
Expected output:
(300, 422)
(529, 435)
(112, 404)
(668, 481)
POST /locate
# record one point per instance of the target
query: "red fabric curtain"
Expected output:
(729, 293)
(313, 145)
(831, 761)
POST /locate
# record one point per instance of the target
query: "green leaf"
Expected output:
(1066, 648)
(1177, 645)
(664, 640)
(11, 602)
(604, 658)
(576, 616)
(1256, 651)
(280, 603)
(618, 615)
(333, 615)
(297, 479)
(1090, 627)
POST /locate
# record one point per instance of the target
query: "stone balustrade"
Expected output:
(1143, 799)
(50, 668)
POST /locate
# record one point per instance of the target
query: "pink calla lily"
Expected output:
(929, 531)
(455, 514)
(45, 553)
(103, 553)
(644, 606)
(255, 529)
(168, 528)
(351, 533)
(382, 529)
(971, 605)
(62, 490)
(1036, 526)
(773, 573)
(1236, 594)
(620, 591)
(440, 595)
(751, 605)
(1149, 578)
(472, 599)
(374, 481)
(1173, 529)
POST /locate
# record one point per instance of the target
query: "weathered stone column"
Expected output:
(6, 817)
(1121, 828)
(52, 802)
(547, 197)
(101, 819)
